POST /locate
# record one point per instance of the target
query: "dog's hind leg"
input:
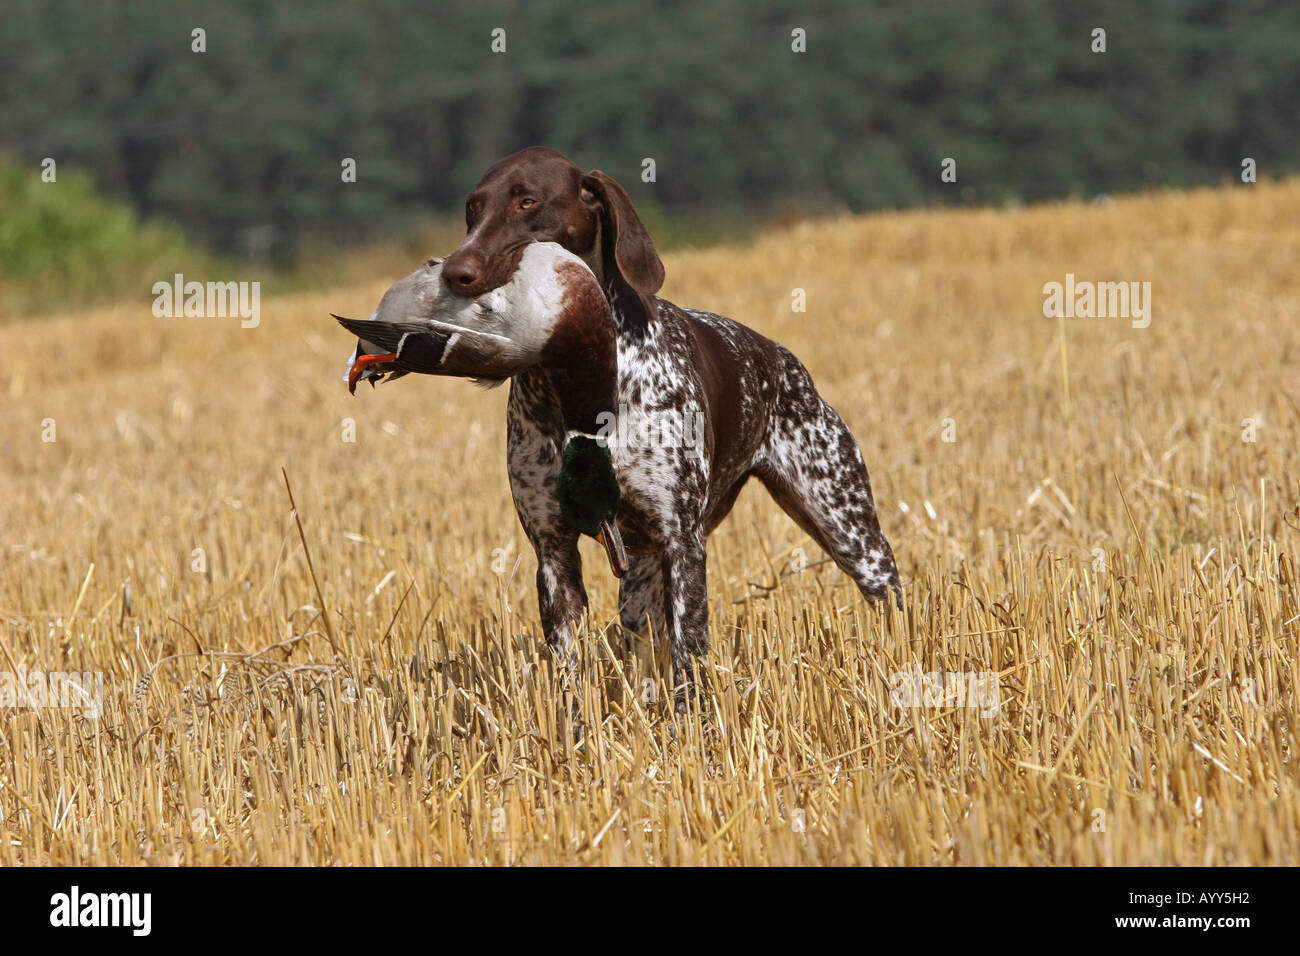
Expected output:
(814, 469)
(641, 600)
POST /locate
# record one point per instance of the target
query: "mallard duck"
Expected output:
(550, 330)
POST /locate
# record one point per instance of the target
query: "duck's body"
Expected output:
(551, 332)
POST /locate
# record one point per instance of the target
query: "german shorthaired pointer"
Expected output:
(761, 414)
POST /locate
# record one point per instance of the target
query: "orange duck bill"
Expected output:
(613, 543)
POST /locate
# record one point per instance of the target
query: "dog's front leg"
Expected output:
(686, 608)
(562, 603)
(561, 597)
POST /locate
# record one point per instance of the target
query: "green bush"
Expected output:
(63, 245)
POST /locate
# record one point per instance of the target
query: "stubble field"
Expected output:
(1103, 517)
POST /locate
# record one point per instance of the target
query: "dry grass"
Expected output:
(1147, 689)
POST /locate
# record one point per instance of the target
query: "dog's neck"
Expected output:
(633, 312)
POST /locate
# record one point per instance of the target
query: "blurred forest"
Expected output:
(241, 146)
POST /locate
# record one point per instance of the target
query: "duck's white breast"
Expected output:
(526, 308)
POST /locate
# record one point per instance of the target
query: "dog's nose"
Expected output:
(462, 270)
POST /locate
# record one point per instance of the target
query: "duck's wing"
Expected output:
(437, 348)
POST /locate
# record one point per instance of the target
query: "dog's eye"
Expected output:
(525, 203)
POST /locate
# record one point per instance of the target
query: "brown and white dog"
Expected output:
(761, 416)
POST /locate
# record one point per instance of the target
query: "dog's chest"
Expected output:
(659, 440)
(656, 437)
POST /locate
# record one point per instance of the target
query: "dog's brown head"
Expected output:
(538, 195)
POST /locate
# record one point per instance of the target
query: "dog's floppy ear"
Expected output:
(626, 241)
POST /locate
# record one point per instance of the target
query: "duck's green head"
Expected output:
(588, 487)
(588, 493)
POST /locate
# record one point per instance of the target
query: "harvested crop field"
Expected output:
(1097, 525)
